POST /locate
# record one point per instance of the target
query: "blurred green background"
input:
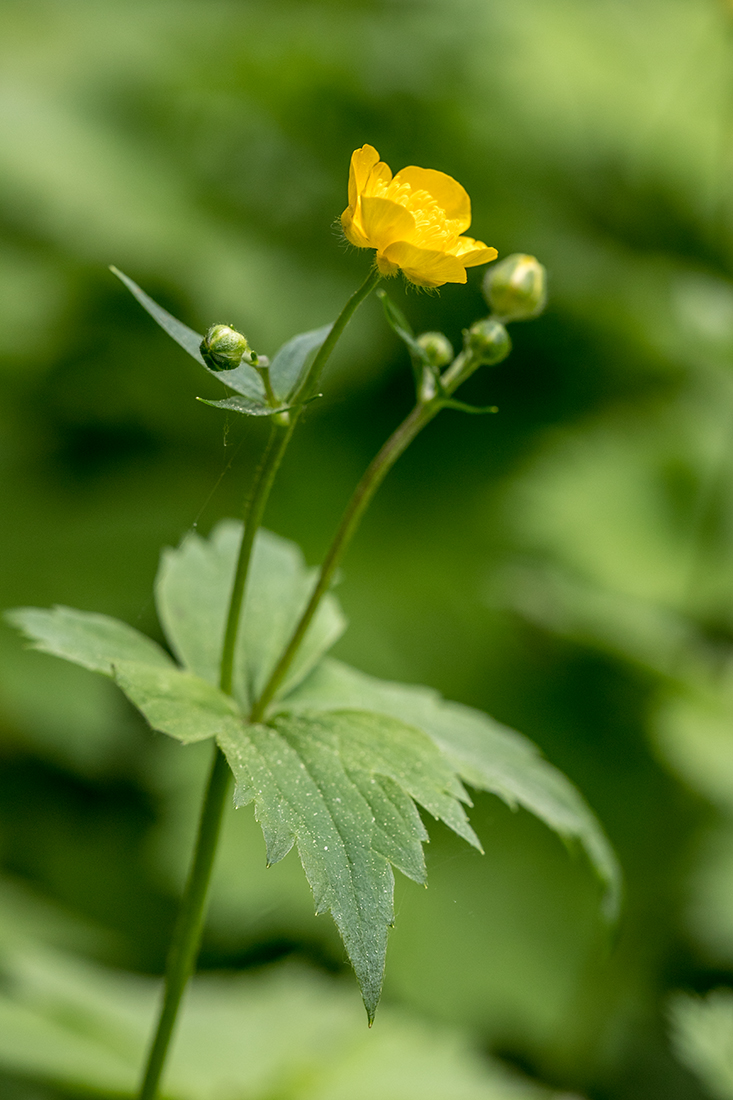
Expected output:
(566, 565)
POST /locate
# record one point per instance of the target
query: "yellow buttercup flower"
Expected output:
(414, 220)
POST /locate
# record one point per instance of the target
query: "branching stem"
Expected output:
(462, 367)
(373, 477)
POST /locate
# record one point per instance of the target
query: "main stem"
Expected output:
(187, 933)
(373, 477)
(189, 924)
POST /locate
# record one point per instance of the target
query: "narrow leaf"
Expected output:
(290, 363)
(96, 642)
(189, 340)
(461, 406)
(244, 405)
(178, 703)
(243, 379)
(192, 595)
(341, 785)
(402, 328)
(487, 755)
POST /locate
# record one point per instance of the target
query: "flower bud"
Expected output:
(437, 347)
(516, 288)
(223, 348)
(487, 342)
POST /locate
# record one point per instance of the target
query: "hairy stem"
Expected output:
(189, 925)
(373, 477)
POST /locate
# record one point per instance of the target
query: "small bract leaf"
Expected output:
(341, 785)
(289, 364)
(192, 595)
(96, 642)
(245, 406)
(178, 703)
(487, 755)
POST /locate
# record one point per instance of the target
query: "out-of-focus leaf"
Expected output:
(192, 595)
(289, 363)
(485, 754)
(245, 406)
(702, 1036)
(177, 702)
(97, 642)
(342, 785)
(289, 1033)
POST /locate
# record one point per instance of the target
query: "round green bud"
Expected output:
(516, 288)
(223, 347)
(437, 347)
(487, 341)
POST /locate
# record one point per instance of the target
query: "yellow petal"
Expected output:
(426, 267)
(471, 252)
(447, 192)
(362, 162)
(385, 221)
(379, 177)
(352, 232)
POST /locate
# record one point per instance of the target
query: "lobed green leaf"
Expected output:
(487, 755)
(96, 642)
(342, 785)
(192, 595)
(177, 702)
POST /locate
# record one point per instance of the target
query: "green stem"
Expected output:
(189, 925)
(310, 383)
(187, 932)
(373, 477)
(269, 465)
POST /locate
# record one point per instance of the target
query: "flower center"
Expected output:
(433, 229)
